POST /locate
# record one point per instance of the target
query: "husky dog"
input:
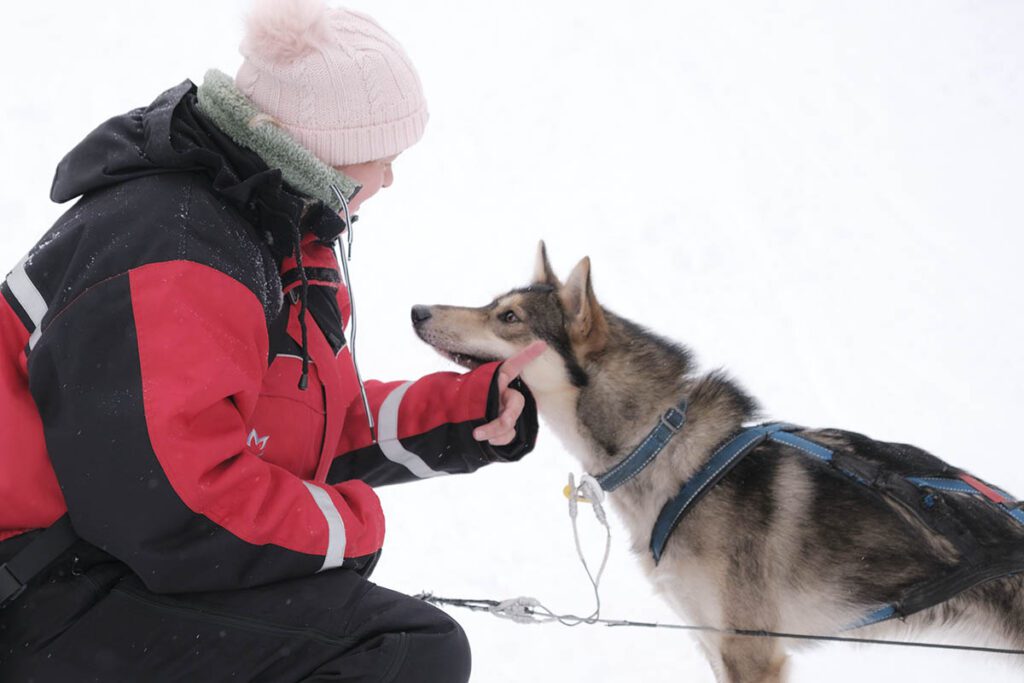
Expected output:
(780, 544)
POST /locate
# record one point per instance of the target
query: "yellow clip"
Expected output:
(567, 492)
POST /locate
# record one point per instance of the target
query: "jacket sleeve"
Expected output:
(425, 428)
(145, 384)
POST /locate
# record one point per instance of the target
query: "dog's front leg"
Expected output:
(751, 660)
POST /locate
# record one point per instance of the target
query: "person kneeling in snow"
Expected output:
(176, 379)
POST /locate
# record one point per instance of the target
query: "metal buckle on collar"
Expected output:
(10, 586)
(666, 419)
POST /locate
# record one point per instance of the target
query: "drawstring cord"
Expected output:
(304, 378)
(343, 258)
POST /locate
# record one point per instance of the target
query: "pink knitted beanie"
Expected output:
(333, 79)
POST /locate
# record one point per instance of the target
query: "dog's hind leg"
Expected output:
(751, 660)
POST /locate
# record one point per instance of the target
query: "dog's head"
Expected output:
(565, 315)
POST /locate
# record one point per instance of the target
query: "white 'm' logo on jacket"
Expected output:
(255, 441)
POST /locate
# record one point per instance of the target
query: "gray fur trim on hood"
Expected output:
(243, 122)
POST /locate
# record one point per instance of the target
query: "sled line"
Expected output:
(525, 613)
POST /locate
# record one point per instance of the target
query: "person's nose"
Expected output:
(389, 176)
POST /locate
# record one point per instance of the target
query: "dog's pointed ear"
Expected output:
(587, 327)
(543, 274)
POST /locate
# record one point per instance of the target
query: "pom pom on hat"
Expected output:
(333, 79)
(284, 30)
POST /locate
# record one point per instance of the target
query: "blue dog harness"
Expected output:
(670, 424)
(721, 462)
(927, 497)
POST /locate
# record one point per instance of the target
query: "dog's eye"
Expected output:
(509, 317)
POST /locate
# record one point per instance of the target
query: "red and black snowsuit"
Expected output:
(150, 357)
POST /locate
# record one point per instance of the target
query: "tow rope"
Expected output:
(501, 608)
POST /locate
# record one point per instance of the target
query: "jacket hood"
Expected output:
(172, 135)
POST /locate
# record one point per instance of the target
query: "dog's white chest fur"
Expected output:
(558, 409)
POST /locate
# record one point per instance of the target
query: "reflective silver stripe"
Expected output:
(335, 526)
(28, 298)
(390, 445)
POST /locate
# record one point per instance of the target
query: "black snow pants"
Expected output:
(89, 618)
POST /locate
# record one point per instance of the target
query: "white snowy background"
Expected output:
(824, 197)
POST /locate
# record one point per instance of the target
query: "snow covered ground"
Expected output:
(823, 197)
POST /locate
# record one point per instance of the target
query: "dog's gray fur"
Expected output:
(778, 545)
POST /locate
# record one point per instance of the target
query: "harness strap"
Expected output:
(932, 510)
(975, 572)
(34, 558)
(720, 464)
(668, 426)
(986, 567)
(883, 613)
(974, 487)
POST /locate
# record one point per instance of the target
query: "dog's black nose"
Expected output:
(419, 314)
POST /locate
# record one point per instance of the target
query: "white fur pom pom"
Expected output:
(284, 30)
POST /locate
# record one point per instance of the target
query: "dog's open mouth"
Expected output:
(466, 360)
(441, 342)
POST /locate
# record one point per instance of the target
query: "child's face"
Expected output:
(372, 175)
